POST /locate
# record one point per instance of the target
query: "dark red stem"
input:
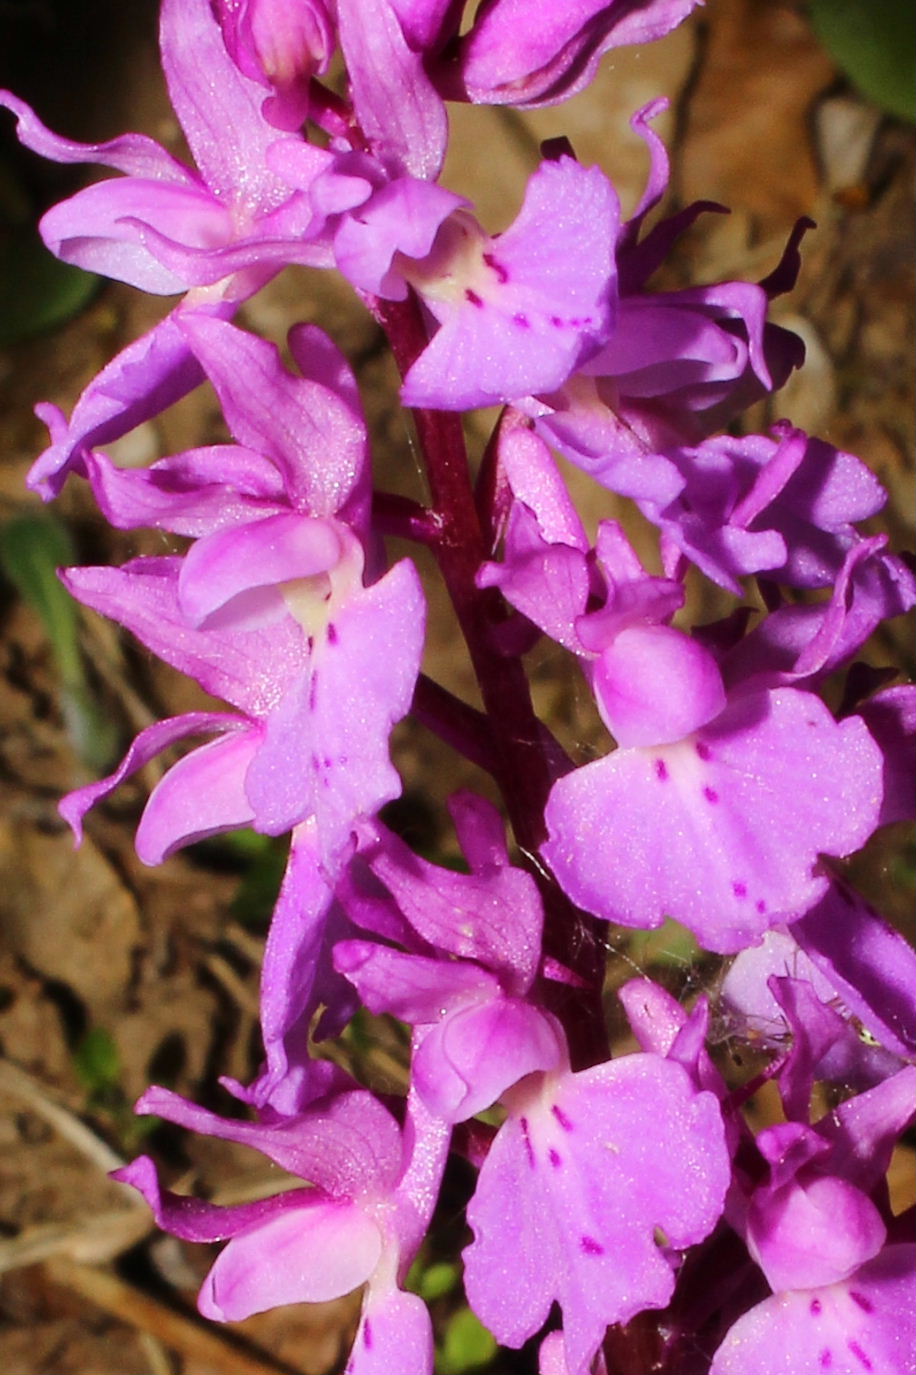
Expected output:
(520, 764)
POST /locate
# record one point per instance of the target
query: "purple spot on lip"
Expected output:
(557, 322)
(523, 1123)
(591, 1247)
(555, 1158)
(472, 297)
(825, 1360)
(739, 889)
(332, 633)
(761, 905)
(703, 750)
(864, 1303)
(661, 770)
(856, 1350)
(711, 795)
(561, 1117)
(816, 1307)
(522, 321)
(367, 1334)
(495, 266)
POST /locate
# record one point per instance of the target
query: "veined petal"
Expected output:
(396, 103)
(310, 1253)
(257, 557)
(520, 53)
(311, 427)
(200, 796)
(471, 1057)
(134, 154)
(141, 381)
(249, 668)
(743, 803)
(243, 262)
(219, 108)
(192, 493)
(349, 1149)
(414, 988)
(100, 229)
(192, 1219)
(150, 742)
(297, 974)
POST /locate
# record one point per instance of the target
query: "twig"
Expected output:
(22, 1085)
(189, 1339)
(94, 1239)
(160, 1363)
(244, 997)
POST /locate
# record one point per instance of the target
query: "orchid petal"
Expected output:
(150, 742)
(742, 803)
(200, 796)
(306, 1254)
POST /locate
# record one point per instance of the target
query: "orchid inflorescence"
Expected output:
(609, 1188)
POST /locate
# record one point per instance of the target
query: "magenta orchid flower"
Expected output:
(843, 1289)
(509, 313)
(465, 979)
(677, 365)
(373, 1189)
(268, 609)
(281, 46)
(701, 776)
(165, 227)
(573, 1189)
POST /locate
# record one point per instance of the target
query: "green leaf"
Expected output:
(668, 944)
(872, 40)
(97, 1062)
(434, 1281)
(37, 290)
(258, 891)
(467, 1345)
(32, 548)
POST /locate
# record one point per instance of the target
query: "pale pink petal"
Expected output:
(99, 229)
(742, 803)
(309, 1254)
(470, 1058)
(863, 1326)
(574, 1187)
(150, 742)
(311, 427)
(396, 103)
(395, 1334)
(140, 382)
(200, 796)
